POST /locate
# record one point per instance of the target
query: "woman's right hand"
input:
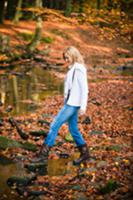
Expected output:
(81, 112)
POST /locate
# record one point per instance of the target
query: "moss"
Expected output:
(29, 146)
(69, 138)
(9, 143)
(109, 187)
(113, 148)
(47, 39)
(26, 36)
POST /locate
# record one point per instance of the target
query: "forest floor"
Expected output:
(107, 125)
(99, 44)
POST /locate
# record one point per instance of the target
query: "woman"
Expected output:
(75, 100)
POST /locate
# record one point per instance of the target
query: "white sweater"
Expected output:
(79, 86)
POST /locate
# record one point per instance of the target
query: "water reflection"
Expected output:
(8, 169)
(62, 166)
(25, 91)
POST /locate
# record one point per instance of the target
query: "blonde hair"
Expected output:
(74, 53)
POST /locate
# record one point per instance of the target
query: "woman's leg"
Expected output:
(82, 146)
(64, 114)
(73, 128)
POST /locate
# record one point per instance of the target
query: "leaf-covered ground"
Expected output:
(108, 132)
(107, 126)
(104, 38)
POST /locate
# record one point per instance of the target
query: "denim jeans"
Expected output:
(66, 114)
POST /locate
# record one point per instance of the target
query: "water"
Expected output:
(24, 91)
(8, 168)
(24, 88)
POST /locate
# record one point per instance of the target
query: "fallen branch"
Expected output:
(22, 134)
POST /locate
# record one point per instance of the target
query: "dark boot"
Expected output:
(84, 154)
(42, 155)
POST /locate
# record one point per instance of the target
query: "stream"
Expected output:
(24, 92)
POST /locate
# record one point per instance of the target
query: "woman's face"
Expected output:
(67, 58)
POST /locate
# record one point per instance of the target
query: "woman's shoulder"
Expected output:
(80, 67)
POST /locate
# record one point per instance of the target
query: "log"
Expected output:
(22, 134)
(38, 133)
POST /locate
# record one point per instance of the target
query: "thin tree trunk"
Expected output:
(57, 4)
(98, 4)
(44, 3)
(38, 30)
(81, 5)
(51, 3)
(2, 8)
(11, 8)
(68, 7)
(110, 4)
(15, 94)
(62, 5)
(18, 12)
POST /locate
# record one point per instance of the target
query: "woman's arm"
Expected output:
(82, 79)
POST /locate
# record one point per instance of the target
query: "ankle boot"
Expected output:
(42, 155)
(84, 154)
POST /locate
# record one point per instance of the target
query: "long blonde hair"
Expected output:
(74, 53)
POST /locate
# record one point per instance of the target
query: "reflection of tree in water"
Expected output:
(2, 89)
(15, 93)
(23, 92)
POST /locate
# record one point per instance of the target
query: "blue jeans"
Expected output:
(66, 114)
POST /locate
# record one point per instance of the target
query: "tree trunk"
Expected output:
(44, 3)
(110, 4)
(62, 5)
(51, 3)
(38, 31)
(18, 12)
(57, 3)
(2, 6)
(68, 7)
(47, 3)
(11, 8)
(98, 4)
(81, 3)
